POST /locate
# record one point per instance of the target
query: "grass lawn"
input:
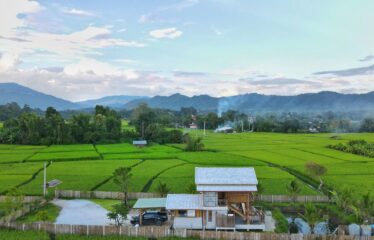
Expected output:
(106, 203)
(51, 210)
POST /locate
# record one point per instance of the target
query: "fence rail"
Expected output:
(136, 195)
(26, 199)
(103, 195)
(163, 231)
(286, 198)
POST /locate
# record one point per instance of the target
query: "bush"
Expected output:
(358, 147)
(281, 221)
(193, 144)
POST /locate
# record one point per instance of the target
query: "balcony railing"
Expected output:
(222, 202)
(225, 221)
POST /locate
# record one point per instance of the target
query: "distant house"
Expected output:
(226, 129)
(225, 201)
(193, 126)
(139, 143)
(313, 130)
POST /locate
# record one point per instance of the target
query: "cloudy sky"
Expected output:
(80, 50)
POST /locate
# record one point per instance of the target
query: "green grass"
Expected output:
(142, 174)
(12, 175)
(60, 156)
(51, 210)
(106, 203)
(22, 235)
(77, 175)
(69, 148)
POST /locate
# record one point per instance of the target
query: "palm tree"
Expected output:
(311, 214)
(191, 188)
(293, 189)
(163, 188)
(121, 177)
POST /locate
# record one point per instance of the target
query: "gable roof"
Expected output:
(184, 201)
(225, 176)
(150, 203)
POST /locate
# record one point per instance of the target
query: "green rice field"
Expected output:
(277, 159)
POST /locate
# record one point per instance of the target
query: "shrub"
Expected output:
(281, 221)
(193, 144)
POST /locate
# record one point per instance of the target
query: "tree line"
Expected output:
(104, 125)
(150, 123)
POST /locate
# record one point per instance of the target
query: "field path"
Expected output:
(111, 177)
(149, 183)
(300, 176)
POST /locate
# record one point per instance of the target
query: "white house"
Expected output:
(225, 201)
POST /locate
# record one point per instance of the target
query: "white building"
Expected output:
(225, 201)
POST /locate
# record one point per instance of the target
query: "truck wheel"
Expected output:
(158, 223)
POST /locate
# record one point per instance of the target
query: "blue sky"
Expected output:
(87, 49)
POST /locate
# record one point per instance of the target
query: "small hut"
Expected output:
(139, 143)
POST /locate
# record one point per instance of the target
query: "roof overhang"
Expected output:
(184, 202)
(226, 188)
(150, 203)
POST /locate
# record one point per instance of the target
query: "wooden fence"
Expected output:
(103, 195)
(136, 195)
(26, 199)
(163, 231)
(286, 198)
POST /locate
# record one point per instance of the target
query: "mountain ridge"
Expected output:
(247, 103)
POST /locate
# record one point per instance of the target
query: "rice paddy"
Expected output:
(274, 156)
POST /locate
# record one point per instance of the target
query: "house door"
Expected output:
(210, 218)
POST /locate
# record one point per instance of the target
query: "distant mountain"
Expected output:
(258, 103)
(110, 101)
(176, 101)
(247, 103)
(13, 92)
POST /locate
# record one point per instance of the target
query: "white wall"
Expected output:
(188, 222)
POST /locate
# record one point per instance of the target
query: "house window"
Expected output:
(210, 216)
(191, 213)
(182, 213)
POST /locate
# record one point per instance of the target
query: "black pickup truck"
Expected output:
(151, 218)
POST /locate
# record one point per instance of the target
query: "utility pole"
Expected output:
(204, 127)
(45, 180)
(242, 126)
(142, 130)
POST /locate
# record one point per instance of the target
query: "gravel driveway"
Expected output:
(81, 212)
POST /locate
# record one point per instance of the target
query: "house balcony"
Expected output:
(256, 221)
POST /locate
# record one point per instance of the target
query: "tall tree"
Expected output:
(163, 188)
(316, 170)
(293, 189)
(122, 177)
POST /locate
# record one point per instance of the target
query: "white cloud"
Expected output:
(121, 30)
(19, 37)
(78, 12)
(67, 46)
(166, 33)
(10, 11)
(89, 67)
(8, 61)
(158, 14)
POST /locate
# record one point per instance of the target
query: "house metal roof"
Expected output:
(225, 176)
(139, 142)
(184, 201)
(226, 188)
(150, 203)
